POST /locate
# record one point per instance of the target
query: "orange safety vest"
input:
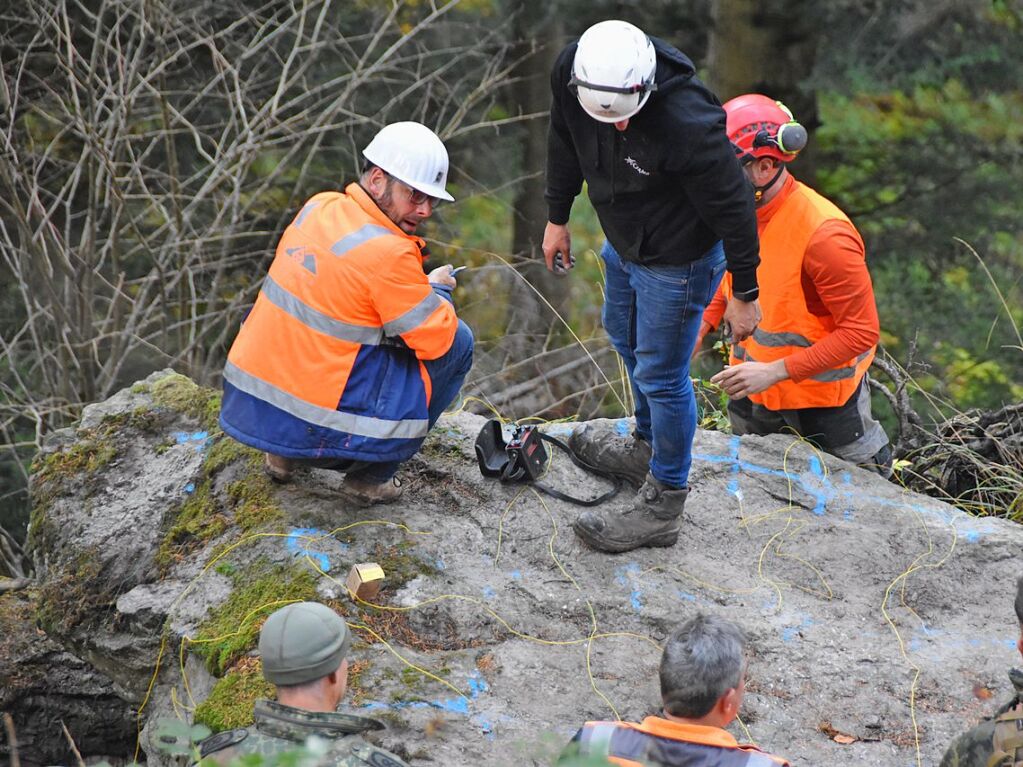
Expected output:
(328, 362)
(787, 324)
(663, 742)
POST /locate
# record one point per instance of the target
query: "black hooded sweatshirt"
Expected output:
(669, 186)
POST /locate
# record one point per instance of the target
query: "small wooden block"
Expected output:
(364, 580)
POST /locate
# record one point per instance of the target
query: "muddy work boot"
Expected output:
(277, 468)
(363, 492)
(605, 449)
(653, 519)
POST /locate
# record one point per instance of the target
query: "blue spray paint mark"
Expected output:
(460, 705)
(297, 539)
(623, 576)
(439, 564)
(847, 515)
(200, 438)
(516, 575)
(489, 593)
(789, 633)
(623, 427)
(190, 488)
(972, 536)
(687, 596)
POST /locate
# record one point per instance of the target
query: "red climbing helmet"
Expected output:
(761, 127)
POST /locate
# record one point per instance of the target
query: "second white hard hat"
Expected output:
(613, 70)
(412, 153)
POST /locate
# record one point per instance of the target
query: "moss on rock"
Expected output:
(70, 597)
(203, 517)
(231, 700)
(179, 393)
(232, 629)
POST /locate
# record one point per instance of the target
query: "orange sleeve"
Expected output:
(836, 282)
(716, 308)
(410, 309)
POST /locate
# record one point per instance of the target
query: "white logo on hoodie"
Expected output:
(635, 166)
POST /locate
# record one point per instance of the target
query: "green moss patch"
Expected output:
(401, 564)
(71, 596)
(231, 700)
(181, 394)
(233, 628)
(203, 517)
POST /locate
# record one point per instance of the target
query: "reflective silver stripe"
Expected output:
(414, 317)
(358, 237)
(305, 212)
(598, 740)
(765, 338)
(828, 376)
(317, 320)
(839, 374)
(360, 425)
(760, 760)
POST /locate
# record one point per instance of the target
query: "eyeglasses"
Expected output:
(415, 197)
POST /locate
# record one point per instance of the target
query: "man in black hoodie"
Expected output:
(630, 118)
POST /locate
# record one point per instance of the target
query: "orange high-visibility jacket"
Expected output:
(328, 362)
(667, 743)
(787, 324)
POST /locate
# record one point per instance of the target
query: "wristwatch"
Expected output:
(747, 295)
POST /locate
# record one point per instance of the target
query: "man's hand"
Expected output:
(442, 276)
(750, 377)
(742, 318)
(556, 239)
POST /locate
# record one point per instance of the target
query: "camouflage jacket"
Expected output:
(975, 747)
(332, 737)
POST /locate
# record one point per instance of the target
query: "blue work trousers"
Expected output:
(652, 315)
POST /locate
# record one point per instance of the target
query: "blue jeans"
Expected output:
(652, 315)
(447, 374)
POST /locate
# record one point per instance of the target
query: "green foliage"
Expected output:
(232, 629)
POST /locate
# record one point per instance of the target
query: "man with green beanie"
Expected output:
(304, 647)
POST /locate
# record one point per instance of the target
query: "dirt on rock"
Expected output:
(881, 622)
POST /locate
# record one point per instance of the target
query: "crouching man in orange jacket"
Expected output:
(805, 365)
(351, 351)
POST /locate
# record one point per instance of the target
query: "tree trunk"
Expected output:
(529, 318)
(768, 47)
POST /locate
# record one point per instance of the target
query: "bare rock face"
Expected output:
(880, 621)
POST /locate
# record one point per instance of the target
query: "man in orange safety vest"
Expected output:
(351, 351)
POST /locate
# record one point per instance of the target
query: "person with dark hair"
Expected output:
(304, 647)
(998, 741)
(703, 679)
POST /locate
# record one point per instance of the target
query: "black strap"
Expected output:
(615, 479)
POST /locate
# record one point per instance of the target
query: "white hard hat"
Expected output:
(613, 70)
(412, 153)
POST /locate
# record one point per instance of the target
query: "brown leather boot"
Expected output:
(362, 492)
(277, 468)
(605, 449)
(654, 519)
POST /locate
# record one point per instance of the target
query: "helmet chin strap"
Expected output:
(758, 193)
